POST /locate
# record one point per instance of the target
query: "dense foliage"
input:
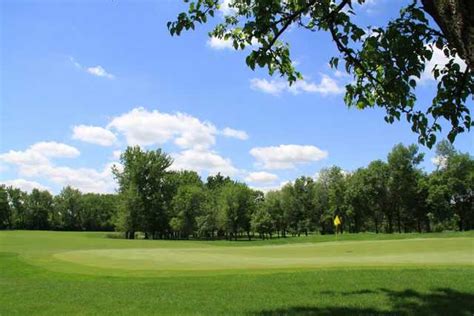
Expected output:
(69, 210)
(392, 196)
(386, 61)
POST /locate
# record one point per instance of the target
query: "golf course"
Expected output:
(379, 274)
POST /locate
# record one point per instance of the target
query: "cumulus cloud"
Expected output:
(99, 71)
(234, 133)
(36, 162)
(94, 135)
(273, 86)
(261, 177)
(286, 156)
(25, 185)
(219, 43)
(441, 60)
(116, 154)
(142, 127)
(326, 86)
(203, 161)
(39, 153)
(226, 9)
(84, 179)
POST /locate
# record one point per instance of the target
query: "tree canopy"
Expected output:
(389, 196)
(385, 61)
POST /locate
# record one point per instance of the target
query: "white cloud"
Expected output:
(286, 156)
(441, 60)
(116, 154)
(226, 9)
(54, 149)
(261, 177)
(84, 179)
(94, 135)
(39, 154)
(25, 185)
(219, 43)
(239, 134)
(266, 189)
(273, 86)
(341, 74)
(202, 160)
(99, 71)
(326, 86)
(142, 127)
(439, 161)
(372, 6)
(35, 162)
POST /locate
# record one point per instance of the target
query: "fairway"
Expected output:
(433, 251)
(57, 273)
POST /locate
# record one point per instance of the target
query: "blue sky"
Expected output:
(81, 80)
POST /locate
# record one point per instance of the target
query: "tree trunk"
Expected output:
(399, 222)
(390, 224)
(455, 18)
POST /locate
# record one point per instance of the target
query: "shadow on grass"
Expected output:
(442, 301)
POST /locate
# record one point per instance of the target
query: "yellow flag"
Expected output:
(337, 221)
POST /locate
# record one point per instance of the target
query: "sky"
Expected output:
(82, 80)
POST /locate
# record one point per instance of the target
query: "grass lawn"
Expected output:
(364, 274)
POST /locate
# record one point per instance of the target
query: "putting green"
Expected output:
(432, 251)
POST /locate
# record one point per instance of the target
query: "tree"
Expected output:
(130, 212)
(98, 211)
(217, 181)
(273, 206)
(376, 187)
(237, 203)
(304, 191)
(444, 150)
(5, 210)
(188, 204)
(321, 202)
(438, 201)
(384, 61)
(262, 222)
(142, 185)
(334, 179)
(291, 209)
(17, 199)
(459, 179)
(403, 173)
(356, 199)
(68, 206)
(39, 205)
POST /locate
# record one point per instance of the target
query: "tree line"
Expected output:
(69, 210)
(389, 196)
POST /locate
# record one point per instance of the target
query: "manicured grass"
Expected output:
(87, 273)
